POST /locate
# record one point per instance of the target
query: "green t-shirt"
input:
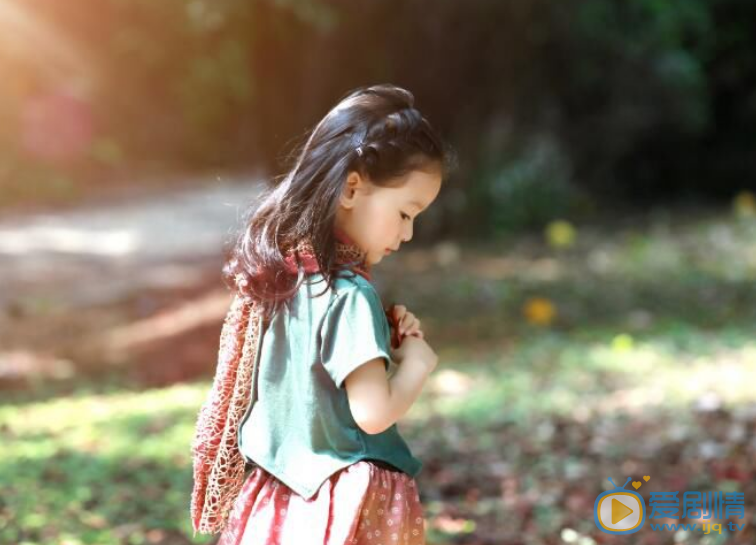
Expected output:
(300, 428)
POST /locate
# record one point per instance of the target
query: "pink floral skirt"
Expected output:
(362, 504)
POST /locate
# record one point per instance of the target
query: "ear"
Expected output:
(353, 184)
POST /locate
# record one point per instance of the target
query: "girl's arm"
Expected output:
(376, 402)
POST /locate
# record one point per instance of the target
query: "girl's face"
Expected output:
(378, 219)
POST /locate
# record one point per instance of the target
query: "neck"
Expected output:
(342, 237)
(347, 252)
(365, 268)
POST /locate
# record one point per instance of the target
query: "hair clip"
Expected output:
(359, 151)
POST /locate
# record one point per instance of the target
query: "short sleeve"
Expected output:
(355, 330)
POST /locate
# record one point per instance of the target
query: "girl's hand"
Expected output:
(403, 323)
(415, 351)
(407, 323)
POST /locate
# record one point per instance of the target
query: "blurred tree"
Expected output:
(648, 102)
(545, 102)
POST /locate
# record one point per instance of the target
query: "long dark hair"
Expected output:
(375, 131)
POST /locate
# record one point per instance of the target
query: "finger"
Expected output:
(407, 322)
(416, 326)
(399, 312)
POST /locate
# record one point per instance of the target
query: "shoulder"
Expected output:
(355, 287)
(351, 282)
(355, 301)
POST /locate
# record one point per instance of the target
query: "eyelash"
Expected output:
(404, 216)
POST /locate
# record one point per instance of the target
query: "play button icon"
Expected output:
(620, 511)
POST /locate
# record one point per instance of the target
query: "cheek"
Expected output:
(381, 221)
(390, 226)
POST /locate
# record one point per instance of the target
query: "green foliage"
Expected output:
(104, 469)
(649, 78)
(669, 42)
(525, 188)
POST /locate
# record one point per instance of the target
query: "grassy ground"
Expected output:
(630, 353)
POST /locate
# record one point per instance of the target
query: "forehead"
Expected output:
(419, 188)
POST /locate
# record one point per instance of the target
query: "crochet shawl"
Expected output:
(218, 466)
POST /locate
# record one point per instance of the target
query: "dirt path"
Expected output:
(65, 274)
(91, 256)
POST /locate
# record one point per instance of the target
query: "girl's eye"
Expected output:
(405, 216)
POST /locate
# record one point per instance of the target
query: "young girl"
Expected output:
(302, 395)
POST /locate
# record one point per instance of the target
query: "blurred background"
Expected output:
(586, 275)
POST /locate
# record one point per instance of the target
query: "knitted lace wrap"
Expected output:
(218, 465)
